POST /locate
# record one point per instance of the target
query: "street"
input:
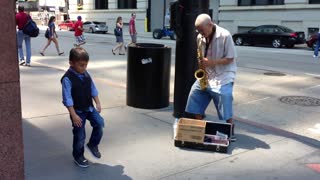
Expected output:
(276, 140)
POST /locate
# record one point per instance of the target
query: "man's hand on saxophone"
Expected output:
(211, 63)
(206, 62)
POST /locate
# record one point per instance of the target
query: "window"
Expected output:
(127, 4)
(314, 1)
(259, 29)
(260, 2)
(79, 4)
(101, 4)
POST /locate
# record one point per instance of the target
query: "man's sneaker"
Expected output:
(314, 56)
(82, 162)
(22, 62)
(94, 150)
(28, 64)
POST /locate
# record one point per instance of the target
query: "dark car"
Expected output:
(67, 25)
(274, 35)
(312, 41)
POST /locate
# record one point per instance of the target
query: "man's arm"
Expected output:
(80, 26)
(213, 62)
(230, 54)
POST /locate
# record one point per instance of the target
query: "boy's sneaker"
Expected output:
(22, 62)
(314, 56)
(81, 162)
(94, 150)
(28, 64)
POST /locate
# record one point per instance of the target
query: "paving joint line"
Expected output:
(61, 114)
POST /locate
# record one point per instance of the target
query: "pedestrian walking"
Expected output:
(132, 29)
(78, 32)
(316, 50)
(53, 36)
(78, 90)
(21, 21)
(219, 64)
(119, 37)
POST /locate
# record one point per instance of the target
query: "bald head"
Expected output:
(203, 19)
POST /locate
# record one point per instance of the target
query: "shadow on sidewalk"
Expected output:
(47, 155)
(277, 131)
(247, 142)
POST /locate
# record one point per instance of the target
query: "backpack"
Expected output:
(31, 28)
(46, 34)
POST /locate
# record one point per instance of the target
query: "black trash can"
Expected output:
(148, 75)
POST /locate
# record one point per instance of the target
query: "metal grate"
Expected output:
(300, 100)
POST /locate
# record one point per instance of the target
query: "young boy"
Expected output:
(78, 29)
(78, 90)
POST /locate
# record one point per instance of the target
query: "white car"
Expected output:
(94, 27)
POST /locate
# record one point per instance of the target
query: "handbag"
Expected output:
(46, 34)
(117, 31)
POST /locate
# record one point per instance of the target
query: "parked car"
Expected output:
(274, 35)
(94, 26)
(312, 41)
(67, 25)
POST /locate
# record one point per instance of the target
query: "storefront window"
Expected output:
(259, 2)
(127, 4)
(101, 4)
(314, 1)
(79, 4)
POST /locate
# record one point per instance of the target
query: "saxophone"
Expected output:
(201, 73)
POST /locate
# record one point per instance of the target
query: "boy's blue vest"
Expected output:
(80, 91)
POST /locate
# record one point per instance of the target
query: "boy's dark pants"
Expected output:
(79, 133)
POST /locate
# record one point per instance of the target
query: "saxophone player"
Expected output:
(219, 62)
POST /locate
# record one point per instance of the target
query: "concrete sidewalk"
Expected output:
(138, 144)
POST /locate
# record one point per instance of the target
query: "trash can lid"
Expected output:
(149, 45)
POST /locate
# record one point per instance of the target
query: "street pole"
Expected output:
(183, 15)
(164, 12)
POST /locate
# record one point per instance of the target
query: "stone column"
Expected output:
(11, 142)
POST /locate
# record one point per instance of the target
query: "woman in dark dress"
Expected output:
(119, 37)
(52, 36)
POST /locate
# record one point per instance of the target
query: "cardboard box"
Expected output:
(190, 130)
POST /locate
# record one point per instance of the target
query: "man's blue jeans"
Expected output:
(316, 50)
(20, 37)
(79, 133)
(199, 100)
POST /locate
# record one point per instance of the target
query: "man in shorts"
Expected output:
(78, 29)
(219, 62)
(132, 30)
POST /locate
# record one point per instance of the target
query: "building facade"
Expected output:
(41, 10)
(149, 13)
(108, 11)
(241, 15)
